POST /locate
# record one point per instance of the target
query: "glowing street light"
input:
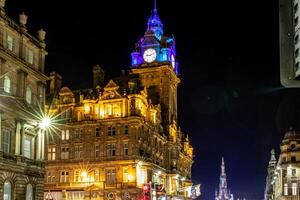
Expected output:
(45, 123)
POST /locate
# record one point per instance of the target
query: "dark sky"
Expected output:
(230, 99)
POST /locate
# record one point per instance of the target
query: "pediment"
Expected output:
(111, 91)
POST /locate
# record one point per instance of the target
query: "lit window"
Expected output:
(30, 56)
(29, 192)
(294, 189)
(125, 175)
(96, 175)
(110, 175)
(7, 191)
(67, 134)
(64, 176)
(50, 177)
(76, 176)
(10, 42)
(65, 153)
(7, 84)
(51, 153)
(286, 189)
(28, 95)
(62, 135)
(6, 141)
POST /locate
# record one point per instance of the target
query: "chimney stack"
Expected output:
(98, 76)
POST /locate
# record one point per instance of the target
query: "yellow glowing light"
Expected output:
(87, 108)
(45, 123)
(130, 177)
(140, 163)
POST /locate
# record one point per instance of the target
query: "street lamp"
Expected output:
(45, 123)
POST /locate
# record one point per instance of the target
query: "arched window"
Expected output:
(29, 192)
(28, 95)
(7, 190)
(7, 84)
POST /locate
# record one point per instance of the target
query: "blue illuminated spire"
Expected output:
(155, 24)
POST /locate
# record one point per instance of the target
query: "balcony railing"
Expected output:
(21, 159)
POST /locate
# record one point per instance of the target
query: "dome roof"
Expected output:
(292, 134)
(65, 91)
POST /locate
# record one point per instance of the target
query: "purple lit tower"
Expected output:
(223, 193)
(154, 48)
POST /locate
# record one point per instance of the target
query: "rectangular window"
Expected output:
(30, 56)
(50, 177)
(67, 134)
(63, 136)
(6, 141)
(126, 130)
(111, 131)
(293, 158)
(125, 175)
(97, 132)
(64, 153)
(285, 189)
(78, 151)
(51, 153)
(108, 150)
(76, 176)
(294, 189)
(110, 176)
(10, 42)
(97, 152)
(64, 177)
(27, 147)
(96, 175)
(125, 149)
(113, 149)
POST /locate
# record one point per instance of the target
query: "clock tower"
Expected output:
(154, 61)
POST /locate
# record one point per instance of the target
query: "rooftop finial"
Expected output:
(154, 4)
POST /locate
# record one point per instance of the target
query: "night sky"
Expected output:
(231, 102)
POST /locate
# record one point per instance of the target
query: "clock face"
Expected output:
(173, 61)
(149, 55)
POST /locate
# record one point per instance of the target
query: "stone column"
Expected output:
(40, 145)
(18, 139)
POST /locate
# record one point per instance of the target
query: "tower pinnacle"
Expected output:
(155, 24)
(223, 193)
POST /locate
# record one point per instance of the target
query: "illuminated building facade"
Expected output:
(283, 180)
(121, 140)
(223, 193)
(22, 91)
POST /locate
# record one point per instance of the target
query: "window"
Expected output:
(111, 131)
(97, 132)
(29, 192)
(78, 151)
(110, 175)
(76, 176)
(297, 52)
(283, 159)
(30, 56)
(28, 95)
(64, 176)
(111, 150)
(65, 134)
(294, 172)
(6, 141)
(126, 130)
(27, 147)
(293, 158)
(296, 20)
(6, 84)
(51, 153)
(125, 149)
(97, 152)
(96, 175)
(296, 39)
(50, 177)
(65, 153)
(285, 189)
(294, 189)
(295, 7)
(125, 175)
(7, 190)
(10, 42)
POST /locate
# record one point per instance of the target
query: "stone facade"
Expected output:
(283, 177)
(119, 139)
(22, 93)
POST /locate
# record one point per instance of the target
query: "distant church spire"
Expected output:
(223, 193)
